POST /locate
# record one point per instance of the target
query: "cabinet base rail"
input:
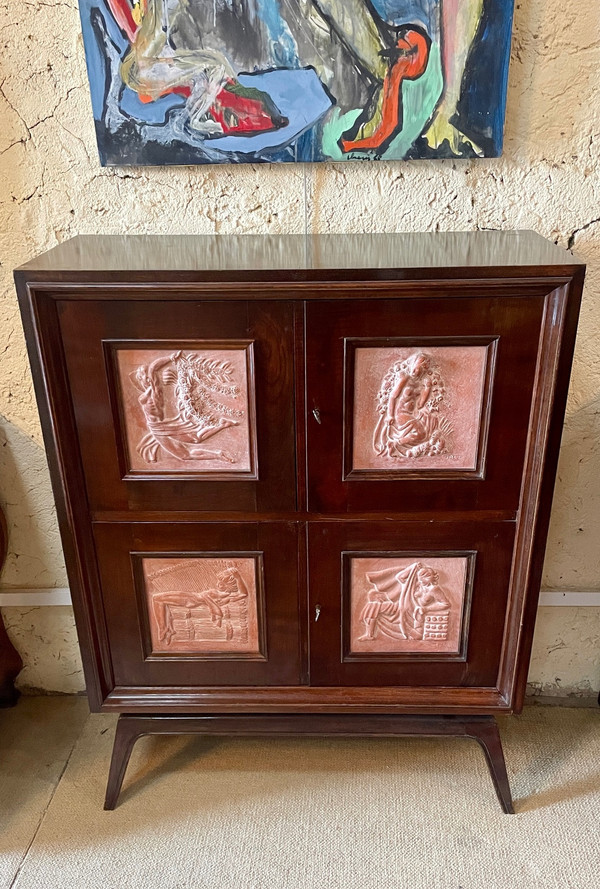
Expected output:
(482, 729)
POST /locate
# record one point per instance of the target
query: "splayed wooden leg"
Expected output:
(487, 735)
(483, 729)
(129, 729)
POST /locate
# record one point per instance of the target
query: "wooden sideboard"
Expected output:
(304, 483)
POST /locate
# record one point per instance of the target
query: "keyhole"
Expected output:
(317, 612)
(317, 415)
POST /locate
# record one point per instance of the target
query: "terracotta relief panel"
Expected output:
(202, 605)
(188, 410)
(418, 408)
(407, 604)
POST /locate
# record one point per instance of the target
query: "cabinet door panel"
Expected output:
(420, 404)
(408, 604)
(182, 405)
(200, 604)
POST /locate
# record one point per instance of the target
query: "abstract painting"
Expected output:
(251, 81)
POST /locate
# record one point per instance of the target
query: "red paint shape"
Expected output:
(240, 114)
(123, 15)
(408, 62)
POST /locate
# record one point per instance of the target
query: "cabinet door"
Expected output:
(200, 604)
(183, 405)
(420, 404)
(408, 604)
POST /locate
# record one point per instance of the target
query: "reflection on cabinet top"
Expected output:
(299, 258)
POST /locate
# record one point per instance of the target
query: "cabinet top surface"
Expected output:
(299, 257)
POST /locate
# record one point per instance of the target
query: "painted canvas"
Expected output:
(251, 81)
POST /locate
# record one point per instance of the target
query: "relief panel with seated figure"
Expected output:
(418, 408)
(406, 604)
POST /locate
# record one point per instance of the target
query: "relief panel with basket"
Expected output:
(403, 604)
(408, 603)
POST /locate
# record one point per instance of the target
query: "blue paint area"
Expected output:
(94, 56)
(285, 51)
(298, 94)
(154, 113)
(404, 12)
(483, 101)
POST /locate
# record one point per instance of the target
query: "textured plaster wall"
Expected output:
(51, 187)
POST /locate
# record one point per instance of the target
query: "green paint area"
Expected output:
(419, 98)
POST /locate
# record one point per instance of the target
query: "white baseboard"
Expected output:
(547, 597)
(23, 598)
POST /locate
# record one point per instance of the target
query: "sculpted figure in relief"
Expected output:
(178, 397)
(406, 603)
(408, 403)
(229, 590)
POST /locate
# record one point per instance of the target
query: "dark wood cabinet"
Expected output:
(304, 484)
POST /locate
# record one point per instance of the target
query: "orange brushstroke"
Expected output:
(409, 65)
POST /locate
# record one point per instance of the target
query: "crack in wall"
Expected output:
(573, 235)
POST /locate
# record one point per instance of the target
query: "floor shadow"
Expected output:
(559, 794)
(190, 748)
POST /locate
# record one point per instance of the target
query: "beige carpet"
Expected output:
(36, 740)
(354, 814)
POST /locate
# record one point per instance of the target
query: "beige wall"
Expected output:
(51, 187)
